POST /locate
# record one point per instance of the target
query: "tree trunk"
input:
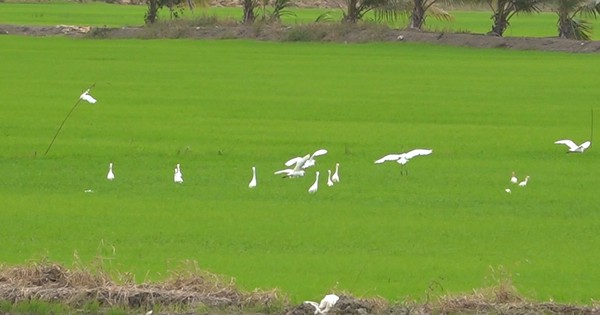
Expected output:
(249, 15)
(500, 25)
(566, 28)
(352, 15)
(152, 13)
(417, 18)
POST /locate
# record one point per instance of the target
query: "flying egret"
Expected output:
(110, 175)
(253, 181)
(329, 180)
(297, 171)
(403, 158)
(573, 147)
(178, 177)
(513, 178)
(311, 160)
(326, 304)
(87, 97)
(336, 176)
(315, 186)
(524, 182)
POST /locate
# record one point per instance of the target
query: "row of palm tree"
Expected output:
(571, 13)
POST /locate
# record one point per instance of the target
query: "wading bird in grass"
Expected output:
(87, 97)
(329, 180)
(403, 158)
(178, 177)
(297, 171)
(573, 147)
(313, 189)
(508, 190)
(524, 182)
(513, 178)
(326, 304)
(336, 175)
(252, 183)
(110, 175)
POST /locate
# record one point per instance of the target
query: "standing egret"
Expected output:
(110, 175)
(403, 158)
(336, 176)
(326, 304)
(87, 97)
(297, 171)
(253, 181)
(513, 178)
(524, 182)
(315, 186)
(573, 147)
(178, 177)
(508, 190)
(329, 180)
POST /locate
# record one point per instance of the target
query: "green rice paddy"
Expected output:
(220, 107)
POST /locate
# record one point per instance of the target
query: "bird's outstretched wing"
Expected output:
(569, 143)
(389, 157)
(417, 152)
(586, 145)
(319, 153)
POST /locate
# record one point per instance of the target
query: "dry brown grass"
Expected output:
(51, 282)
(190, 288)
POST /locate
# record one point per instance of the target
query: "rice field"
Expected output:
(220, 107)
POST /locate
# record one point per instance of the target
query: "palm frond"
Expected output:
(392, 10)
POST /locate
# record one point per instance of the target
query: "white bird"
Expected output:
(87, 97)
(524, 182)
(508, 190)
(403, 158)
(336, 176)
(311, 160)
(315, 186)
(329, 180)
(573, 147)
(252, 183)
(513, 178)
(326, 304)
(110, 175)
(149, 312)
(297, 171)
(178, 177)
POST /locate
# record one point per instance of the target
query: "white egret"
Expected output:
(524, 182)
(110, 175)
(178, 177)
(329, 180)
(315, 186)
(252, 183)
(508, 190)
(88, 191)
(87, 97)
(573, 147)
(403, 158)
(513, 178)
(336, 175)
(297, 171)
(311, 160)
(326, 304)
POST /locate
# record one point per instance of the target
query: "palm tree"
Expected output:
(249, 6)
(504, 10)
(394, 9)
(569, 25)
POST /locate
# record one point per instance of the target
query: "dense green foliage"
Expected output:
(220, 107)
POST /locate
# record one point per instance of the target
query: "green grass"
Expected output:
(103, 14)
(220, 107)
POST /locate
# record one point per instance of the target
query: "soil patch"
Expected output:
(327, 32)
